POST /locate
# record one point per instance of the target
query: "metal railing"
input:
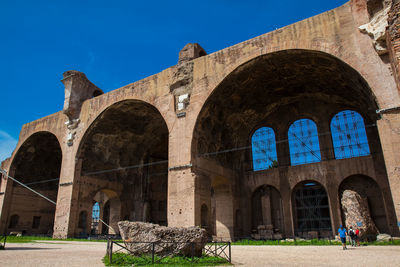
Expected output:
(216, 249)
(3, 240)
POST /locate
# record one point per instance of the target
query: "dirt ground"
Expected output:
(58, 253)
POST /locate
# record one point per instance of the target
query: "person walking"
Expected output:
(342, 233)
(352, 235)
(358, 236)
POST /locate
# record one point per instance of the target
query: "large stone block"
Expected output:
(140, 236)
(356, 212)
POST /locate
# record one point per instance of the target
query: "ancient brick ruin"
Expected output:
(258, 140)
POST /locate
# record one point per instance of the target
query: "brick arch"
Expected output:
(318, 45)
(22, 141)
(99, 111)
(126, 147)
(37, 163)
(95, 108)
(267, 212)
(234, 74)
(23, 138)
(322, 223)
(370, 190)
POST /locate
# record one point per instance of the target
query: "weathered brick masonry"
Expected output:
(175, 147)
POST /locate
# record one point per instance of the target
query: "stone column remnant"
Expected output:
(181, 85)
(266, 207)
(356, 211)
(77, 89)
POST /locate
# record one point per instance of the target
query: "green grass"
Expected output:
(123, 259)
(29, 239)
(382, 243)
(313, 242)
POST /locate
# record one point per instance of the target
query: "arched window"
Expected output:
(264, 149)
(303, 142)
(348, 135)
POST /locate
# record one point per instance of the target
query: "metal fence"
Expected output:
(3, 240)
(216, 249)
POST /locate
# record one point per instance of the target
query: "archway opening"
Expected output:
(37, 164)
(311, 213)
(126, 151)
(266, 211)
(369, 191)
(95, 219)
(273, 91)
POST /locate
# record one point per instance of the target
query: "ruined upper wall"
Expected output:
(181, 90)
(335, 32)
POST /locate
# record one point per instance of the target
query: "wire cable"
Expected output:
(27, 187)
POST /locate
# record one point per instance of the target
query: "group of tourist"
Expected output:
(353, 233)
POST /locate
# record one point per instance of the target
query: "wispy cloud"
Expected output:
(7, 145)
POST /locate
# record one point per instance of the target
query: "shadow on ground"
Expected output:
(27, 248)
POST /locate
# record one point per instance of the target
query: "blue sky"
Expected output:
(115, 43)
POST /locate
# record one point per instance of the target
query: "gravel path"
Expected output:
(53, 253)
(315, 256)
(59, 253)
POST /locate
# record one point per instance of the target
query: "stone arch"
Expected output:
(97, 110)
(311, 210)
(271, 89)
(259, 87)
(36, 163)
(110, 210)
(267, 212)
(126, 149)
(369, 190)
(26, 136)
(268, 44)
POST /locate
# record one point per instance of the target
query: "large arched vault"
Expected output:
(37, 164)
(271, 85)
(275, 90)
(126, 150)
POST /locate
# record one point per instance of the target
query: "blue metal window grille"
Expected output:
(96, 213)
(303, 142)
(264, 149)
(348, 135)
